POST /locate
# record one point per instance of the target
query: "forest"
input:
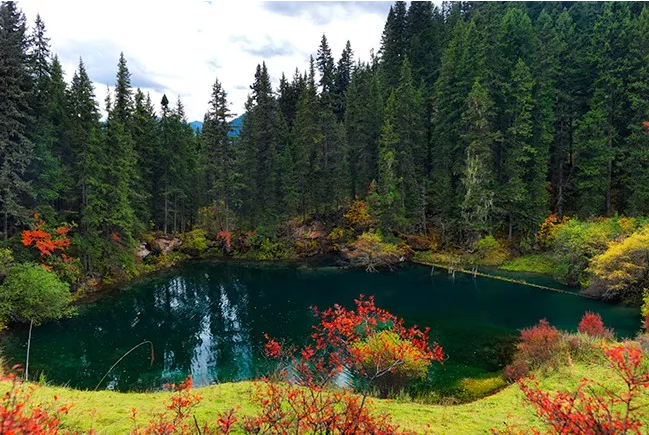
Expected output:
(501, 134)
(472, 121)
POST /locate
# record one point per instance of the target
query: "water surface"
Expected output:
(208, 319)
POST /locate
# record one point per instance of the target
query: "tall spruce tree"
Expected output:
(393, 45)
(262, 135)
(363, 121)
(89, 184)
(342, 80)
(145, 142)
(637, 181)
(478, 190)
(218, 155)
(16, 150)
(518, 161)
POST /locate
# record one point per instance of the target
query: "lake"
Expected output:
(208, 319)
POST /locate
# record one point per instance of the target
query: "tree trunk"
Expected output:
(166, 207)
(511, 227)
(29, 343)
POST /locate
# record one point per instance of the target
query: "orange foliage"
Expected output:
(548, 230)
(19, 417)
(358, 216)
(43, 240)
(226, 238)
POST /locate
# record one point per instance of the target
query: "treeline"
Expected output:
(473, 118)
(110, 179)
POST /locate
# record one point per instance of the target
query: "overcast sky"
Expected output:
(179, 48)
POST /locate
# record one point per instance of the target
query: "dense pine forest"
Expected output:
(471, 119)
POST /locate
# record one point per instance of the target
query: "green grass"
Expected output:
(114, 409)
(534, 263)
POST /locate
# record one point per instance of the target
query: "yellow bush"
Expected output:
(623, 269)
(407, 361)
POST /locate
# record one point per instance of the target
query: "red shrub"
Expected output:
(515, 371)
(18, 416)
(585, 411)
(592, 324)
(44, 241)
(540, 344)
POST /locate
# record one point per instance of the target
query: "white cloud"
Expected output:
(179, 48)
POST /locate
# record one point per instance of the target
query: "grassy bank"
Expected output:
(113, 410)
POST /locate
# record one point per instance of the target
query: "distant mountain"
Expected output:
(236, 124)
(196, 125)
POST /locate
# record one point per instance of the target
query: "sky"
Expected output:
(179, 48)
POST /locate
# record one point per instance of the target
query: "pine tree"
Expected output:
(519, 159)
(609, 55)
(120, 166)
(566, 73)
(306, 139)
(363, 121)
(478, 184)
(385, 199)
(123, 108)
(45, 170)
(406, 119)
(87, 165)
(343, 79)
(637, 182)
(145, 144)
(592, 157)
(451, 91)
(423, 34)
(326, 68)
(59, 124)
(393, 45)
(217, 154)
(16, 150)
(262, 135)
(163, 184)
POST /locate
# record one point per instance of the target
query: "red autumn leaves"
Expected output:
(47, 243)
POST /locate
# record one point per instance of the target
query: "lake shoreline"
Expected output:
(104, 289)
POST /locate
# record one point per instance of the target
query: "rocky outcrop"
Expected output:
(143, 251)
(165, 245)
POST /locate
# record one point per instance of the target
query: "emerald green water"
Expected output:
(208, 319)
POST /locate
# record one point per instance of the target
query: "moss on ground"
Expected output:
(534, 263)
(113, 410)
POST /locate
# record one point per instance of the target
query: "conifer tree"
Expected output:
(326, 67)
(637, 162)
(16, 150)
(519, 159)
(217, 154)
(385, 199)
(592, 157)
(89, 185)
(306, 139)
(393, 45)
(478, 194)
(363, 121)
(342, 80)
(609, 55)
(45, 170)
(404, 112)
(262, 135)
(145, 143)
